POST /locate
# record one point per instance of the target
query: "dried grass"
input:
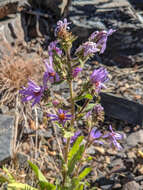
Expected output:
(14, 73)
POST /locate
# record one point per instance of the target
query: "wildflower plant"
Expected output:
(61, 66)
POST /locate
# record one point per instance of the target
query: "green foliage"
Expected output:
(10, 176)
(19, 186)
(12, 184)
(75, 148)
(76, 157)
(43, 183)
(84, 173)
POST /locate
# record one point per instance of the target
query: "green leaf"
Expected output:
(47, 185)
(72, 162)
(10, 176)
(42, 180)
(89, 107)
(37, 172)
(75, 147)
(3, 179)
(20, 186)
(80, 187)
(84, 173)
(88, 96)
(81, 62)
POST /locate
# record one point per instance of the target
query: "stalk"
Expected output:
(70, 82)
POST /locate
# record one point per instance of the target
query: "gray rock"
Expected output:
(4, 109)
(137, 3)
(125, 43)
(6, 137)
(22, 160)
(10, 32)
(132, 185)
(106, 187)
(90, 150)
(135, 138)
(139, 178)
(56, 6)
(117, 162)
(46, 134)
(5, 2)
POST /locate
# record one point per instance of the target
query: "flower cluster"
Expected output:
(112, 136)
(88, 48)
(52, 48)
(98, 78)
(100, 38)
(62, 26)
(50, 73)
(33, 91)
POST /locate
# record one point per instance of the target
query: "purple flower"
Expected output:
(61, 116)
(94, 135)
(62, 25)
(97, 109)
(76, 71)
(52, 48)
(50, 73)
(33, 91)
(113, 137)
(101, 38)
(99, 77)
(88, 48)
(75, 136)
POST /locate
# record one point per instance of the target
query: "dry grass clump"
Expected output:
(15, 73)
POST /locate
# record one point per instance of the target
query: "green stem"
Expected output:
(66, 161)
(83, 107)
(70, 82)
(88, 143)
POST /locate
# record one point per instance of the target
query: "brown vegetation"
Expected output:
(15, 73)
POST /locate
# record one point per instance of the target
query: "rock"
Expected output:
(137, 3)
(117, 162)
(10, 32)
(6, 137)
(106, 187)
(8, 7)
(22, 160)
(132, 185)
(91, 150)
(104, 181)
(135, 138)
(139, 178)
(44, 133)
(57, 6)
(125, 43)
(4, 109)
(117, 186)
